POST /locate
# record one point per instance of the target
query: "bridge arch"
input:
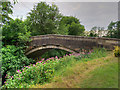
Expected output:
(42, 43)
(39, 51)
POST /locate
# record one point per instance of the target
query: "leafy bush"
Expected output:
(15, 33)
(32, 74)
(116, 51)
(13, 58)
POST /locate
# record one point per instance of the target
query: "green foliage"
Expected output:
(6, 8)
(117, 51)
(95, 28)
(96, 31)
(13, 58)
(68, 20)
(32, 74)
(72, 24)
(98, 52)
(76, 29)
(62, 30)
(44, 19)
(15, 33)
(42, 72)
(92, 35)
(53, 53)
(114, 30)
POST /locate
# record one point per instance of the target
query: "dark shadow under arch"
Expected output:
(39, 51)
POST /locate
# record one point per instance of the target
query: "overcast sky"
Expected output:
(89, 13)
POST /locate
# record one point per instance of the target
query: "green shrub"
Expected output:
(32, 74)
(15, 33)
(13, 58)
(117, 51)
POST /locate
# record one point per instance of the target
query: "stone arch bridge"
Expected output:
(40, 44)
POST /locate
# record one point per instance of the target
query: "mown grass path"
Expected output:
(97, 73)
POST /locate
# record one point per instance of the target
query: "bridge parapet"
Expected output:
(60, 38)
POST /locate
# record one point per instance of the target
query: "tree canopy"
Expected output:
(68, 20)
(6, 8)
(15, 33)
(73, 25)
(76, 29)
(44, 19)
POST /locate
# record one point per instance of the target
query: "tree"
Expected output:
(93, 32)
(96, 31)
(44, 19)
(62, 29)
(76, 29)
(94, 28)
(114, 30)
(6, 8)
(68, 20)
(15, 33)
(100, 30)
(92, 35)
(73, 25)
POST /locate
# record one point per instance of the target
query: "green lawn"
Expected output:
(105, 76)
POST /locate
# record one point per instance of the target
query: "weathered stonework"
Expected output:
(42, 43)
